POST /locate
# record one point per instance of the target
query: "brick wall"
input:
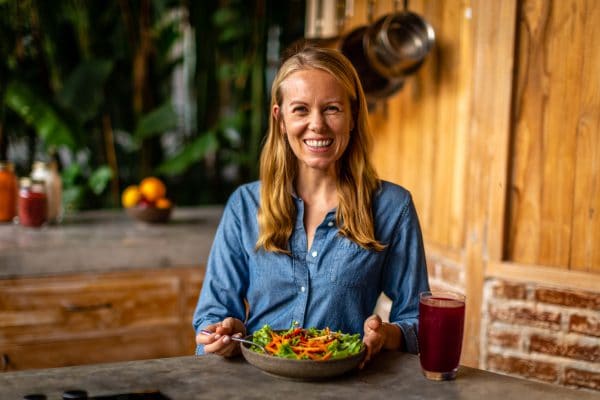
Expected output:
(542, 333)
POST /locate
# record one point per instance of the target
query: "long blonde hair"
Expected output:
(357, 179)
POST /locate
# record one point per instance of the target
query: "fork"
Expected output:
(237, 339)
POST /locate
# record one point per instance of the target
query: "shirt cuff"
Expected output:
(409, 337)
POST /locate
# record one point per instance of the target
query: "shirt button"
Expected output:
(302, 289)
(330, 223)
(314, 253)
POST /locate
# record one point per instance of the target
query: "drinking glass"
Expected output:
(441, 322)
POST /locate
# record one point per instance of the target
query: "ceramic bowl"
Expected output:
(151, 215)
(304, 370)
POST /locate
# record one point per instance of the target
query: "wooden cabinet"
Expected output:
(100, 317)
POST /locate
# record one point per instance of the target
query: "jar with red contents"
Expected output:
(8, 192)
(33, 203)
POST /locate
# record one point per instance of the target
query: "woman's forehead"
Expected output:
(310, 83)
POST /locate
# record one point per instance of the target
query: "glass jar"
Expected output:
(8, 192)
(33, 202)
(48, 172)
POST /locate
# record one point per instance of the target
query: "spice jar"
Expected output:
(48, 172)
(33, 202)
(8, 192)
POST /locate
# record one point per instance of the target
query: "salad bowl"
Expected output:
(295, 369)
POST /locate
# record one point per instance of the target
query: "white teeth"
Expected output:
(318, 143)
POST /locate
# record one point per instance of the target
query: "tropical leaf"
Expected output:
(100, 179)
(191, 154)
(157, 121)
(39, 114)
(83, 91)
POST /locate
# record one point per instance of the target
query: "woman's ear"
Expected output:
(277, 117)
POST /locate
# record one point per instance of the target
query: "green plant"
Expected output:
(90, 83)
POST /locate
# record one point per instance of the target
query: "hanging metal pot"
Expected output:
(397, 44)
(375, 86)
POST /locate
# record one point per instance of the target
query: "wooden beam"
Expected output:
(488, 143)
(543, 275)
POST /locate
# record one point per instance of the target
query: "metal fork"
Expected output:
(237, 339)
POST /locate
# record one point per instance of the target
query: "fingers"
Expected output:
(373, 323)
(223, 346)
(230, 326)
(374, 337)
(219, 340)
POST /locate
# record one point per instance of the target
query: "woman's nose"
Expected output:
(316, 122)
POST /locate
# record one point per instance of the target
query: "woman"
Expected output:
(319, 237)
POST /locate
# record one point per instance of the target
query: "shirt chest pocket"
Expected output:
(354, 266)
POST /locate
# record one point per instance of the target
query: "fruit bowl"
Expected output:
(151, 215)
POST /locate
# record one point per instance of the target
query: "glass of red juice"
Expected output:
(441, 323)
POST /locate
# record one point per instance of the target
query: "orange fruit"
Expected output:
(130, 196)
(152, 188)
(163, 203)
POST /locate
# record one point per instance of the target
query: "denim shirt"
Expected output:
(335, 284)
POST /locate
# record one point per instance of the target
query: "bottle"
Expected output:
(48, 172)
(8, 192)
(33, 202)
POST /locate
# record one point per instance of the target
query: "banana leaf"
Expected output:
(190, 154)
(39, 114)
(156, 122)
(83, 91)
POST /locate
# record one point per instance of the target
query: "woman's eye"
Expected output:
(299, 109)
(332, 109)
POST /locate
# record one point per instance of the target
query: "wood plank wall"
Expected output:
(498, 139)
(420, 133)
(554, 213)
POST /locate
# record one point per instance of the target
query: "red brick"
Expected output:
(583, 324)
(505, 290)
(504, 339)
(580, 378)
(526, 368)
(569, 298)
(554, 347)
(526, 316)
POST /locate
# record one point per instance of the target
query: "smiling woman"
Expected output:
(319, 237)
(316, 119)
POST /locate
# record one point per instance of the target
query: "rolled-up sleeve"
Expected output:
(405, 275)
(226, 275)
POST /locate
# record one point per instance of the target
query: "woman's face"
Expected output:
(316, 117)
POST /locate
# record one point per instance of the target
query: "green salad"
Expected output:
(307, 344)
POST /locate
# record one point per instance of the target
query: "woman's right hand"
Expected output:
(219, 341)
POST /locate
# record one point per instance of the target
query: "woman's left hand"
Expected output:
(379, 335)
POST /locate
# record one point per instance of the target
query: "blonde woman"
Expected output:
(319, 237)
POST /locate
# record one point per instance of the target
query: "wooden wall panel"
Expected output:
(555, 136)
(585, 241)
(420, 133)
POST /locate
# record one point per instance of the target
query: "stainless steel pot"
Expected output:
(397, 44)
(375, 86)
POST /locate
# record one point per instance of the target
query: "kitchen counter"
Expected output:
(390, 375)
(102, 241)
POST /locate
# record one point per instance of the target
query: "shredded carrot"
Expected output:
(303, 346)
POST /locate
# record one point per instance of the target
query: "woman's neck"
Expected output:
(317, 188)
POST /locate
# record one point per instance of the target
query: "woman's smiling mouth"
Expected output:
(318, 143)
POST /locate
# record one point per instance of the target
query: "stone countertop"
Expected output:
(390, 375)
(108, 240)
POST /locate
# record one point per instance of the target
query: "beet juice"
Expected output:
(441, 322)
(33, 203)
